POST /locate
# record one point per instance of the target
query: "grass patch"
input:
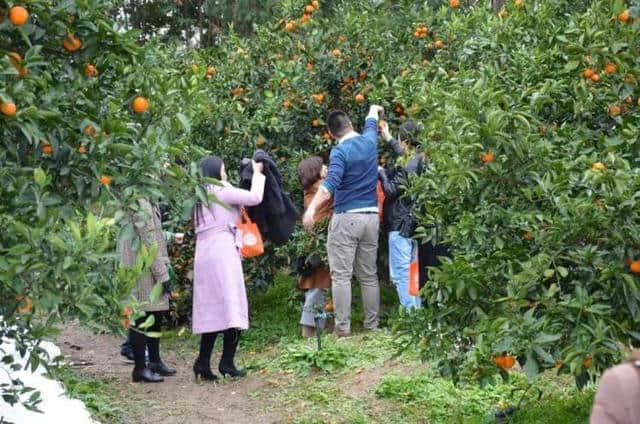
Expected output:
(427, 395)
(94, 393)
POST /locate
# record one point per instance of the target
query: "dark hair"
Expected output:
(309, 171)
(211, 167)
(338, 123)
(409, 132)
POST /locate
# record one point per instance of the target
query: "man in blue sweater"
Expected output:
(352, 244)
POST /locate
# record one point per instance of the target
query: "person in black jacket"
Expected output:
(276, 216)
(398, 220)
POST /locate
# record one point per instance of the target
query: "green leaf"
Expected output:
(151, 319)
(184, 121)
(531, 368)
(562, 271)
(40, 177)
(156, 292)
(549, 273)
(572, 65)
(544, 338)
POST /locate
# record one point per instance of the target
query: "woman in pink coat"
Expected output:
(219, 293)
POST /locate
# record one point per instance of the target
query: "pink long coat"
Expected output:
(219, 293)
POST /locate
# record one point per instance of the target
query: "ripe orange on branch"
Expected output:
(105, 180)
(8, 109)
(634, 267)
(624, 16)
(359, 98)
(71, 43)
(588, 73)
(598, 167)
(26, 304)
(140, 105)
(505, 362)
(90, 70)
(610, 68)
(15, 59)
(454, 4)
(487, 157)
(47, 149)
(18, 15)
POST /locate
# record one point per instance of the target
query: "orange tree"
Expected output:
(530, 123)
(90, 122)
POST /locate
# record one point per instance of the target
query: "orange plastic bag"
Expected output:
(380, 199)
(414, 276)
(252, 244)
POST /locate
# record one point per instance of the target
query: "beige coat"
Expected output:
(618, 398)
(148, 230)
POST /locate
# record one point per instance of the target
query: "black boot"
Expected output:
(140, 371)
(202, 367)
(203, 371)
(161, 368)
(230, 344)
(145, 375)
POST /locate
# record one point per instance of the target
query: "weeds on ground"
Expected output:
(93, 392)
(429, 395)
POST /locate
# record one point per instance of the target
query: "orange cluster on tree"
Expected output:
(318, 98)
(308, 11)
(421, 31)
(591, 75)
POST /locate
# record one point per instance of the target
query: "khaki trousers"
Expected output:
(352, 247)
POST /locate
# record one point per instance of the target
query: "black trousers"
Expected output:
(140, 342)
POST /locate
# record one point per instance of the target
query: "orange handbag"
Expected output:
(252, 244)
(414, 276)
(380, 193)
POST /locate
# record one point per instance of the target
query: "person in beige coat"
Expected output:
(618, 398)
(148, 230)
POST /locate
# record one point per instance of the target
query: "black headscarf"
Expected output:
(211, 167)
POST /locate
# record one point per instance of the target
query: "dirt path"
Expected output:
(179, 399)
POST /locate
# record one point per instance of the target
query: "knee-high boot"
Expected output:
(202, 366)
(227, 366)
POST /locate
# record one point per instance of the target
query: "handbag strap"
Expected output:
(244, 216)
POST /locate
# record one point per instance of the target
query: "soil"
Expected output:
(179, 399)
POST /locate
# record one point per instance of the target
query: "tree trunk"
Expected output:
(497, 5)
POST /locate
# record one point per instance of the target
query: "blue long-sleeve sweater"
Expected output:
(353, 170)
